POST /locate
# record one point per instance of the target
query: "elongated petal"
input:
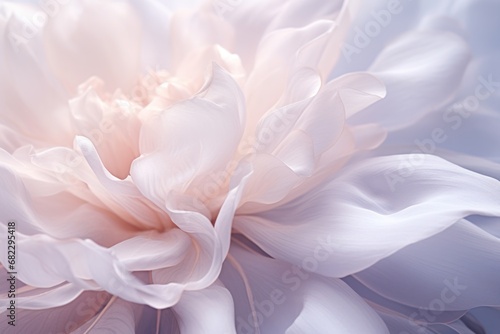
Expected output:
(45, 298)
(364, 215)
(152, 250)
(450, 271)
(97, 268)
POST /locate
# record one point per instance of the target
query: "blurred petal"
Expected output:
(452, 270)
(271, 296)
(31, 102)
(107, 48)
(117, 316)
(422, 71)
(63, 319)
(413, 315)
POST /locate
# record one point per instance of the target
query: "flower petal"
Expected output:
(210, 310)
(414, 315)
(452, 270)
(275, 297)
(30, 298)
(152, 250)
(121, 196)
(96, 268)
(81, 41)
(422, 71)
(15, 202)
(114, 130)
(212, 244)
(364, 215)
(59, 319)
(117, 316)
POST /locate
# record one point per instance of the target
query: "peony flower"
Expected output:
(249, 166)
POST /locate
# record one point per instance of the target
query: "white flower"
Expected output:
(251, 167)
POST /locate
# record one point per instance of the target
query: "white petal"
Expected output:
(454, 270)
(210, 310)
(422, 71)
(270, 181)
(152, 250)
(413, 315)
(42, 200)
(319, 301)
(275, 65)
(252, 21)
(288, 132)
(31, 298)
(286, 54)
(96, 268)
(297, 152)
(364, 215)
(15, 201)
